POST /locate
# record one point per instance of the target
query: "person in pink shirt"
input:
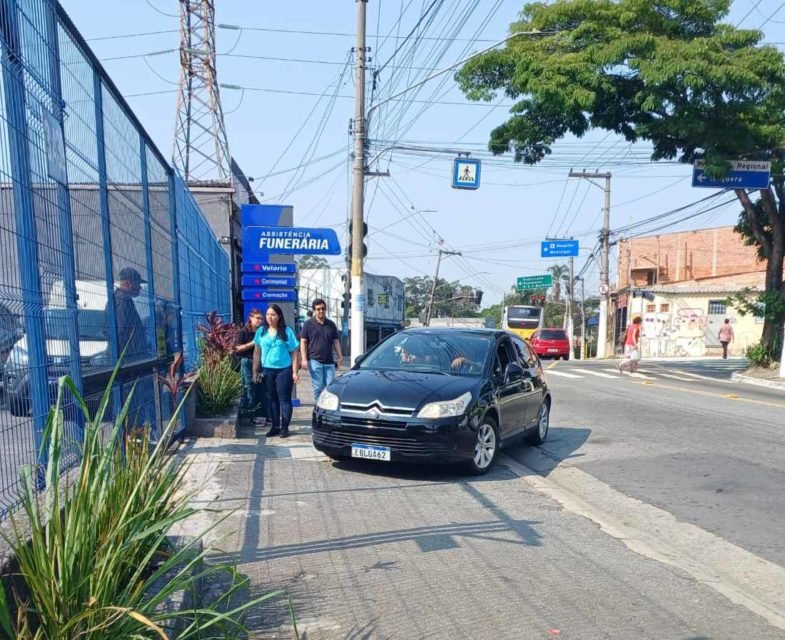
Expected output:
(632, 347)
(725, 336)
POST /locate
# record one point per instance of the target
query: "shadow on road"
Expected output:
(563, 444)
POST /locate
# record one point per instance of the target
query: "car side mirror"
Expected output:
(514, 371)
(358, 360)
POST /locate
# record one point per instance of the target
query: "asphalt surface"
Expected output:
(650, 513)
(705, 449)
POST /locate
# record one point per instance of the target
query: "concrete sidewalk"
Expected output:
(368, 551)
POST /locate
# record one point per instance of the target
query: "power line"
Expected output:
(288, 31)
(132, 35)
(409, 35)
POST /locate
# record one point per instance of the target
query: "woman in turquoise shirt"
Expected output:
(276, 354)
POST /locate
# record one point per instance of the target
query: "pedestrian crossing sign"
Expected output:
(465, 174)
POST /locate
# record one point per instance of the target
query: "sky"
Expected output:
(288, 127)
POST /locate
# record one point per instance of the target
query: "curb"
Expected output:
(770, 384)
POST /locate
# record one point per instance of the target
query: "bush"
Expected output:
(219, 386)
(759, 355)
(98, 565)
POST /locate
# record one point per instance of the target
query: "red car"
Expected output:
(551, 343)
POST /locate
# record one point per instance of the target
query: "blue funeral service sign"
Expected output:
(271, 282)
(465, 173)
(268, 267)
(269, 295)
(743, 174)
(260, 242)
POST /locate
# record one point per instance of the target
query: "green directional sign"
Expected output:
(535, 282)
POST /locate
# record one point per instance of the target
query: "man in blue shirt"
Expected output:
(318, 342)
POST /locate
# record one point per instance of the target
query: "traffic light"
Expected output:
(365, 233)
(346, 302)
(478, 297)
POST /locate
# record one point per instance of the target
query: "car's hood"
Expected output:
(399, 389)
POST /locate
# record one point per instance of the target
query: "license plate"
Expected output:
(552, 350)
(370, 453)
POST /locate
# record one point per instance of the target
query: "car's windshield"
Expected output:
(453, 353)
(553, 334)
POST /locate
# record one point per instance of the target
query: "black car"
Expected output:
(435, 395)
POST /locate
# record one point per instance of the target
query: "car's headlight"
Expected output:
(446, 409)
(327, 401)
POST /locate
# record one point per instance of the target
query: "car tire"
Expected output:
(540, 433)
(566, 356)
(486, 448)
(18, 407)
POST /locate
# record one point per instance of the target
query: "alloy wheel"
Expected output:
(485, 448)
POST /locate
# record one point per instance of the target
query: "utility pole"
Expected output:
(570, 297)
(602, 329)
(429, 309)
(583, 319)
(358, 192)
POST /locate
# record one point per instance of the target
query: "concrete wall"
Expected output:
(681, 325)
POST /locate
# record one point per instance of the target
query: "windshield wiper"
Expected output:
(434, 371)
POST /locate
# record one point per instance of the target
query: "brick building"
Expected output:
(680, 284)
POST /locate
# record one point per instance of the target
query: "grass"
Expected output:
(94, 562)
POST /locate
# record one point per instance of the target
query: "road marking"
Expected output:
(552, 364)
(741, 576)
(599, 374)
(714, 394)
(635, 374)
(700, 377)
(563, 374)
(675, 377)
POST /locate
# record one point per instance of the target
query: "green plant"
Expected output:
(219, 386)
(759, 355)
(97, 564)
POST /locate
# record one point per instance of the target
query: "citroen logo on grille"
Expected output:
(374, 414)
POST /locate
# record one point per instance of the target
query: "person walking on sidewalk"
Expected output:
(319, 344)
(632, 347)
(244, 347)
(725, 336)
(276, 354)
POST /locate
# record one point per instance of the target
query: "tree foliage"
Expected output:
(312, 262)
(451, 299)
(667, 71)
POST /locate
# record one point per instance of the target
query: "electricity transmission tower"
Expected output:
(201, 151)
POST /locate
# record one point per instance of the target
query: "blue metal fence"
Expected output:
(102, 247)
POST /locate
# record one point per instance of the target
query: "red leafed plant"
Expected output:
(218, 338)
(174, 381)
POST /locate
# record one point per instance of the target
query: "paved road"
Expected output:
(651, 513)
(681, 436)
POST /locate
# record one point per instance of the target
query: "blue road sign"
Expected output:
(559, 249)
(744, 174)
(269, 295)
(260, 242)
(269, 282)
(268, 268)
(465, 173)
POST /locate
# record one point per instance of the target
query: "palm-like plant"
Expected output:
(558, 271)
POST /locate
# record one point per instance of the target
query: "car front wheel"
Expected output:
(486, 447)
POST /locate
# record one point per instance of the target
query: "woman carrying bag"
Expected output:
(632, 347)
(277, 357)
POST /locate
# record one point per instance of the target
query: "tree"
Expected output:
(558, 271)
(667, 71)
(312, 262)
(451, 299)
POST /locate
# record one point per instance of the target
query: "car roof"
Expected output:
(440, 330)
